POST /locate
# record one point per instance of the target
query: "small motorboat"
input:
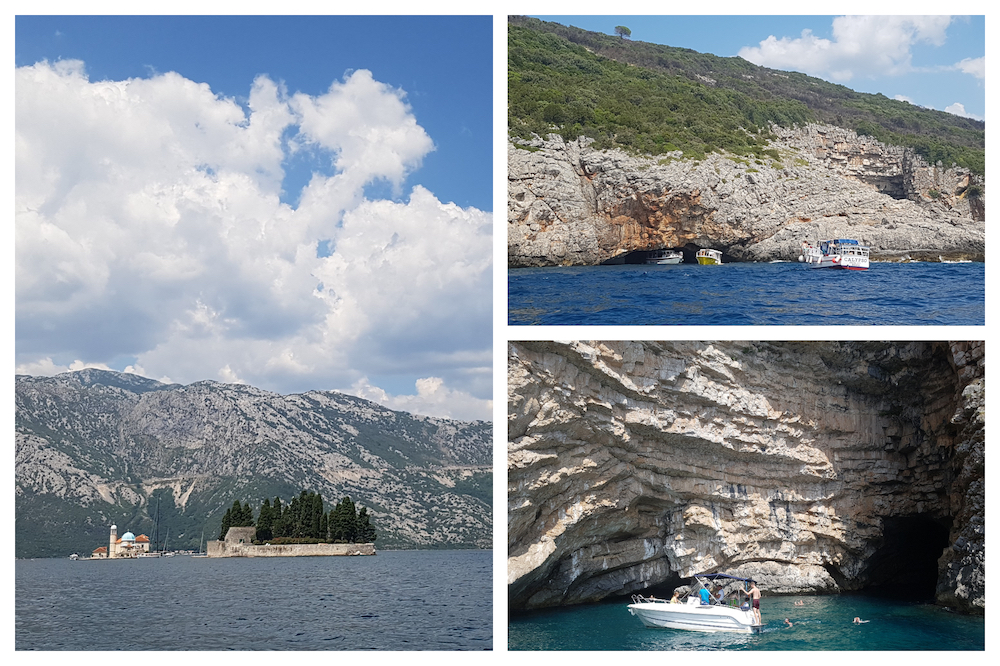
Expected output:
(692, 613)
(663, 257)
(709, 256)
(843, 253)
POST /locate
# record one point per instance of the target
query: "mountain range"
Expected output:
(95, 448)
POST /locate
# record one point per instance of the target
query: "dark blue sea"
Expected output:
(823, 623)
(396, 600)
(749, 294)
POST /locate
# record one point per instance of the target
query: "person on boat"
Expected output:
(755, 596)
(676, 599)
(720, 597)
(706, 596)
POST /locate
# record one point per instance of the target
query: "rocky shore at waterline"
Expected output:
(571, 205)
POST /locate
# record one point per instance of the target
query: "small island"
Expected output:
(300, 528)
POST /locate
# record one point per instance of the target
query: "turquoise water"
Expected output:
(748, 294)
(823, 623)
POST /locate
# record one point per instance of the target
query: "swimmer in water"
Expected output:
(788, 622)
(800, 603)
(858, 620)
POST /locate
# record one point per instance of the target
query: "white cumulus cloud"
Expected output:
(432, 398)
(973, 66)
(861, 46)
(149, 227)
(958, 109)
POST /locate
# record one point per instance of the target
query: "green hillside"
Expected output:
(655, 99)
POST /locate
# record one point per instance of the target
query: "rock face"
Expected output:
(570, 205)
(811, 466)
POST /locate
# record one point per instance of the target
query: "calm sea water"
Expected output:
(746, 294)
(823, 623)
(397, 600)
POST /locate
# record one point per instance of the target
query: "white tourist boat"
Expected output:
(662, 257)
(709, 256)
(843, 253)
(692, 614)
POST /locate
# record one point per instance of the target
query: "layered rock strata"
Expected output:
(812, 466)
(571, 205)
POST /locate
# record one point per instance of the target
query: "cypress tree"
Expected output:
(307, 513)
(227, 522)
(265, 521)
(246, 514)
(278, 526)
(344, 526)
(315, 529)
(366, 532)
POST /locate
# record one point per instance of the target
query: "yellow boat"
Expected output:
(707, 256)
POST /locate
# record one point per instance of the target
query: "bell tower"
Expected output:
(113, 541)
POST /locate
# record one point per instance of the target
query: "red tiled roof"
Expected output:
(102, 549)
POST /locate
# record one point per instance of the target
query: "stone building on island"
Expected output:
(128, 545)
(239, 543)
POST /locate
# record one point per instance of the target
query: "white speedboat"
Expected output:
(843, 253)
(709, 256)
(662, 257)
(693, 614)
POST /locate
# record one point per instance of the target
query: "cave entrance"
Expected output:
(640, 257)
(905, 564)
(665, 588)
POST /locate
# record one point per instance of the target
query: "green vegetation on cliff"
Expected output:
(655, 99)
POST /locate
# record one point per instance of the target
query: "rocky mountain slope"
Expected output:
(571, 205)
(811, 466)
(95, 448)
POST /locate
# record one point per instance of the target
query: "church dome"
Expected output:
(128, 536)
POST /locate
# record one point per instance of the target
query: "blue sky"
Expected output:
(292, 202)
(915, 62)
(425, 56)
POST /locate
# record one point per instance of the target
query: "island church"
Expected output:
(128, 545)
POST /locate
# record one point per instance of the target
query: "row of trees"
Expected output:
(303, 519)
(653, 99)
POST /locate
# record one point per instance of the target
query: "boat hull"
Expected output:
(665, 262)
(708, 261)
(709, 619)
(846, 262)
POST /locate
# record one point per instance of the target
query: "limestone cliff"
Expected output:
(571, 205)
(812, 466)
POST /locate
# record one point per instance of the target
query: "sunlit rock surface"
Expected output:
(812, 466)
(571, 205)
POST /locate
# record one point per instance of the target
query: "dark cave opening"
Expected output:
(664, 589)
(905, 564)
(640, 256)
